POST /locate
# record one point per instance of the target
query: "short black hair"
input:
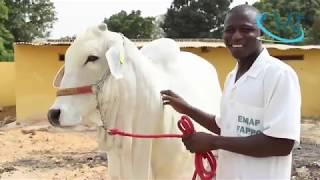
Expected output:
(243, 8)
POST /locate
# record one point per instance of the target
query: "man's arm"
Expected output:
(180, 105)
(204, 119)
(258, 145)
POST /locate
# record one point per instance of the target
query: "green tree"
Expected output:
(30, 19)
(131, 25)
(5, 36)
(286, 16)
(195, 18)
(313, 34)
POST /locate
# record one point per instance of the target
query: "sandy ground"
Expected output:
(49, 153)
(44, 152)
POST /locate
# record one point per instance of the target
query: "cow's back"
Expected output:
(188, 74)
(195, 79)
(197, 82)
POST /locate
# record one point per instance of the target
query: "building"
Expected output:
(32, 73)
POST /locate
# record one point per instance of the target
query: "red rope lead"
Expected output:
(122, 133)
(186, 127)
(74, 91)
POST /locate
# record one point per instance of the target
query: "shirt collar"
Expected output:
(257, 65)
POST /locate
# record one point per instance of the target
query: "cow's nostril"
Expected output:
(54, 116)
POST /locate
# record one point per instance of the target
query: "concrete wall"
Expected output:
(35, 70)
(7, 84)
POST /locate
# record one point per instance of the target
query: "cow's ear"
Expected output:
(115, 58)
(58, 77)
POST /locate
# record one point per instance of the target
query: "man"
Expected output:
(260, 108)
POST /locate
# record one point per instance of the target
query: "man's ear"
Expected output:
(261, 33)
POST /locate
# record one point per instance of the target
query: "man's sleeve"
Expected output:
(283, 110)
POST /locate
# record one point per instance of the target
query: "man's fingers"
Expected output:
(164, 91)
(186, 137)
(168, 93)
(165, 102)
(187, 141)
(165, 97)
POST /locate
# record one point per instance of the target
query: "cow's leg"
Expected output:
(114, 165)
(142, 166)
(126, 158)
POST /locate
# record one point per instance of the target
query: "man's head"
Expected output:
(241, 31)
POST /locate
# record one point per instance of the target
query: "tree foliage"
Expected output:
(131, 25)
(5, 36)
(285, 16)
(23, 20)
(29, 19)
(313, 34)
(195, 18)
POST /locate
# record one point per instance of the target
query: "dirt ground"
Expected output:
(43, 152)
(7, 115)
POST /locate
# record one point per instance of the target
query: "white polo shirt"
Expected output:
(266, 99)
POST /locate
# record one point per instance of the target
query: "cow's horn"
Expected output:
(103, 27)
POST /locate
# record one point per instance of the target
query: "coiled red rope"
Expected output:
(186, 127)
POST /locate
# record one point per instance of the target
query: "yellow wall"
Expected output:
(35, 70)
(308, 71)
(7, 83)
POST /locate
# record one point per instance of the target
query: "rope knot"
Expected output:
(186, 127)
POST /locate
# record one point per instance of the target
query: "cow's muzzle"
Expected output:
(54, 116)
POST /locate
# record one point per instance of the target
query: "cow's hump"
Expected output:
(162, 52)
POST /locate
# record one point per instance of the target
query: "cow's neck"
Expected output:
(138, 110)
(147, 91)
(133, 101)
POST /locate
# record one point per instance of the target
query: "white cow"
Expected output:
(129, 99)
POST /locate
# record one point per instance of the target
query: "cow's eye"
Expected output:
(91, 58)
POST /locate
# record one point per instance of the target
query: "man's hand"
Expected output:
(199, 142)
(177, 102)
(180, 105)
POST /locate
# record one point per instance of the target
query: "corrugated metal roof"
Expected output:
(184, 43)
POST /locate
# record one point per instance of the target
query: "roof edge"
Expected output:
(183, 43)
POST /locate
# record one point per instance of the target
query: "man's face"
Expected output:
(240, 33)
